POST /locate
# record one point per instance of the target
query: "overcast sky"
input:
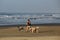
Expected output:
(33, 6)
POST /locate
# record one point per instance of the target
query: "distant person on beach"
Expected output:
(28, 24)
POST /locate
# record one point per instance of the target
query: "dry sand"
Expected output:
(45, 33)
(32, 38)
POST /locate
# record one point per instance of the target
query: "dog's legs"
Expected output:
(26, 29)
(37, 31)
(32, 31)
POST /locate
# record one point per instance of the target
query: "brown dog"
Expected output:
(21, 28)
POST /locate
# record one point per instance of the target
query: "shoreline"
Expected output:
(47, 24)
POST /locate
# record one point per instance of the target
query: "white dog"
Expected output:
(27, 28)
(34, 29)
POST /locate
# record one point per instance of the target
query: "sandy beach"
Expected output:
(46, 32)
(32, 38)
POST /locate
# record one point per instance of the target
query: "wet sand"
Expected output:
(46, 32)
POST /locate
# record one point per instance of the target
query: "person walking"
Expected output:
(28, 24)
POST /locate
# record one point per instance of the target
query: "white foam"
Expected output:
(44, 16)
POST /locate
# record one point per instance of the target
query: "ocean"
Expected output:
(21, 18)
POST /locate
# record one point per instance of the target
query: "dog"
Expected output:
(37, 29)
(34, 29)
(21, 28)
(27, 28)
(24, 28)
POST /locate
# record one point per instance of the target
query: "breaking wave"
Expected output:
(43, 16)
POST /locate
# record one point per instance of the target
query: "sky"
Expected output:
(30, 6)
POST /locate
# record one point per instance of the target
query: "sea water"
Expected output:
(21, 18)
